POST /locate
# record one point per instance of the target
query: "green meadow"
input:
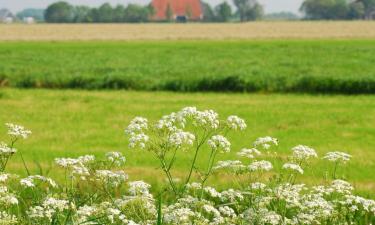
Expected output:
(291, 66)
(68, 123)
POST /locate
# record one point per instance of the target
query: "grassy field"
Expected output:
(314, 66)
(257, 30)
(70, 123)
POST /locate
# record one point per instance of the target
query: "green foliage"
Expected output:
(135, 13)
(333, 9)
(236, 66)
(249, 10)
(59, 12)
(281, 16)
(223, 12)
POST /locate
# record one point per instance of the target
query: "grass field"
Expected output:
(314, 66)
(257, 30)
(70, 123)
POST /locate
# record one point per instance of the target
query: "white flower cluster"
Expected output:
(136, 131)
(219, 142)
(249, 153)
(115, 158)
(265, 142)
(112, 178)
(78, 166)
(17, 131)
(293, 167)
(236, 123)
(5, 150)
(137, 188)
(8, 219)
(337, 157)
(30, 181)
(49, 208)
(234, 165)
(7, 198)
(302, 152)
(180, 138)
(262, 165)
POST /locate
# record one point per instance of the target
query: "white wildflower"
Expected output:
(342, 186)
(337, 157)
(219, 142)
(248, 153)
(236, 123)
(8, 219)
(302, 152)
(115, 158)
(137, 125)
(260, 166)
(257, 186)
(111, 178)
(30, 181)
(265, 142)
(17, 131)
(293, 167)
(139, 188)
(179, 138)
(235, 165)
(5, 150)
(138, 140)
(207, 118)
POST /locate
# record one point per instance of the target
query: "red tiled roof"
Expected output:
(179, 8)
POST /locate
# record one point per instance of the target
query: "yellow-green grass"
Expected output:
(252, 30)
(70, 123)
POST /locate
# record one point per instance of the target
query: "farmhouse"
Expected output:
(179, 10)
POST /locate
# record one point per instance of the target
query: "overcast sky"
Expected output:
(17, 5)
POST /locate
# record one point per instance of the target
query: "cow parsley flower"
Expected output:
(260, 166)
(248, 153)
(138, 140)
(17, 131)
(139, 188)
(302, 152)
(115, 158)
(293, 167)
(30, 181)
(258, 186)
(111, 178)
(5, 150)
(265, 142)
(219, 142)
(49, 208)
(207, 118)
(180, 138)
(342, 186)
(137, 125)
(272, 217)
(337, 157)
(235, 165)
(236, 123)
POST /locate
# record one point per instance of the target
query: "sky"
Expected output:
(17, 5)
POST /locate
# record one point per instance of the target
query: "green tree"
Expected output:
(118, 14)
(325, 9)
(356, 10)
(223, 12)
(135, 13)
(105, 13)
(59, 12)
(208, 12)
(82, 14)
(249, 9)
(369, 6)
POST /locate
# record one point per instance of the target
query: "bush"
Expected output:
(98, 191)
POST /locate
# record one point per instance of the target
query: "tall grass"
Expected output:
(345, 67)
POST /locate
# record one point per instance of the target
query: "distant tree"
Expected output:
(169, 12)
(37, 14)
(118, 14)
(4, 13)
(248, 9)
(356, 10)
(281, 16)
(223, 12)
(135, 13)
(105, 13)
(325, 9)
(59, 12)
(82, 14)
(369, 6)
(208, 12)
